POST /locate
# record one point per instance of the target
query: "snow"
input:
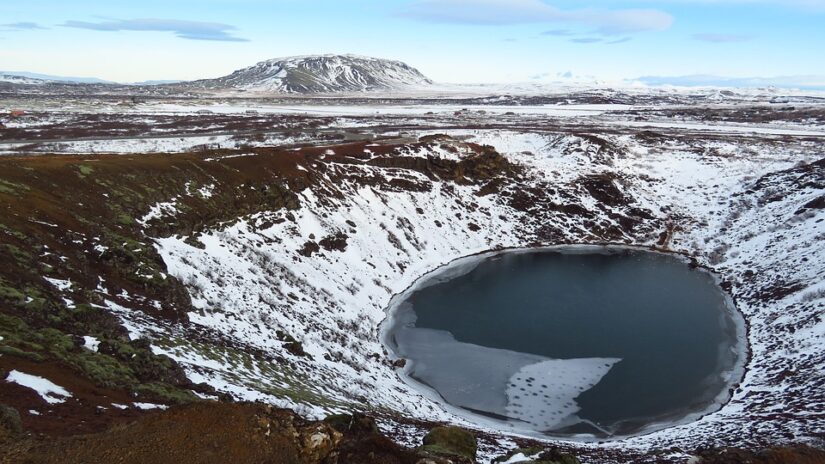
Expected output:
(146, 144)
(159, 210)
(520, 457)
(12, 79)
(91, 343)
(248, 281)
(398, 110)
(60, 284)
(355, 286)
(240, 155)
(726, 127)
(562, 379)
(494, 381)
(207, 191)
(50, 392)
(319, 74)
(147, 406)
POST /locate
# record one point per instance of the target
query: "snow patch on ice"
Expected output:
(543, 394)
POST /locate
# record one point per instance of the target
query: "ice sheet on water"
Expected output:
(522, 387)
(544, 394)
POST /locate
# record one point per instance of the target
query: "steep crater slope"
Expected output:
(264, 274)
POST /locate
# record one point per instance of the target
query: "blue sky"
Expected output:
(449, 40)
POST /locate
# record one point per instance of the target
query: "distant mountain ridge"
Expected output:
(29, 78)
(51, 78)
(811, 82)
(320, 74)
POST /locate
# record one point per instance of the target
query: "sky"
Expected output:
(451, 41)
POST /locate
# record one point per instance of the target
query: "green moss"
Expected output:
(11, 188)
(36, 304)
(120, 368)
(10, 294)
(85, 170)
(450, 441)
(55, 341)
(124, 219)
(17, 352)
(167, 393)
(10, 419)
(22, 257)
(14, 233)
(102, 369)
(263, 375)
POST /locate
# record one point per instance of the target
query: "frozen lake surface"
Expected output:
(585, 342)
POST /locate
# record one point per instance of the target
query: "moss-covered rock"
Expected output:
(450, 441)
(347, 423)
(10, 419)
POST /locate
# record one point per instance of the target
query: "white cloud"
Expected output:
(499, 12)
(788, 3)
(21, 26)
(586, 40)
(193, 30)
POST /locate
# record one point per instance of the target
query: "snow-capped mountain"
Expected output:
(37, 78)
(20, 80)
(321, 74)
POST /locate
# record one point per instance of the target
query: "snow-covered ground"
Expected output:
(735, 204)
(357, 120)
(730, 195)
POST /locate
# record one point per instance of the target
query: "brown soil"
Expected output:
(212, 433)
(782, 455)
(88, 410)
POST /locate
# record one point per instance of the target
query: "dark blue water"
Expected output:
(602, 342)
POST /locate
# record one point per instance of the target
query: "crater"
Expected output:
(584, 342)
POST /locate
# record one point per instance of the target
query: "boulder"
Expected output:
(450, 441)
(10, 419)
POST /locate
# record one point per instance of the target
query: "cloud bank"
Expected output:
(21, 26)
(501, 12)
(192, 30)
(812, 82)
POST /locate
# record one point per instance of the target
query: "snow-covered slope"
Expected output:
(21, 80)
(703, 198)
(266, 272)
(321, 74)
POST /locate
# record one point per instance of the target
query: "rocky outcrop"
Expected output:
(454, 443)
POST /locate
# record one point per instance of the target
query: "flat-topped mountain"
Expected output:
(320, 74)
